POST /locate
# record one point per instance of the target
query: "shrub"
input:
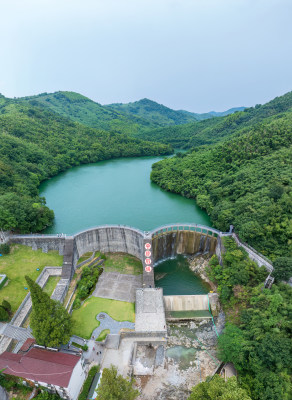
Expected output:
(4, 248)
(77, 303)
(4, 316)
(86, 284)
(6, 305)
(44, 395)
(84, 347)
(86, 386)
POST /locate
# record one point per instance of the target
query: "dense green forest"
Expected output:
(36, 144)
(244, 181)
(222, 128)
(257, 336)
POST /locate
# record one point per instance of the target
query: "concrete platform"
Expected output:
(150, 315)
(116, 286)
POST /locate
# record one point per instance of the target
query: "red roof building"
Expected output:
(58, 371)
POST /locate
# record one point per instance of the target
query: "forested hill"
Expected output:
(244, 181)
(218, 129)
(134, 119)
(164, 116)
(154, 112)
(36, 144)
(81, 109)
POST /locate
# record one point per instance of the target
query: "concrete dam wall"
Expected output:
(186, 303)
(110, 240)
(168, 244)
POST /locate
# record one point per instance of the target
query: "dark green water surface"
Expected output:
(175, 277)
(115, 192)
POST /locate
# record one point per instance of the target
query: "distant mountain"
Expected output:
(212, 114)
(214, 130)
(131, 118)
(164, 116)
(223, 113)
(81, 109)
(154, 112)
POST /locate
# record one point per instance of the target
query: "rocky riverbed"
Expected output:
(190, 358)
(198, 265)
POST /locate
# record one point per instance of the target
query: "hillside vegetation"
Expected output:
(81, 109)
(158, 114)
(164, 116)
(244, 181)
(257, 335)
(134, 119)
(219, 129)
(36, 144)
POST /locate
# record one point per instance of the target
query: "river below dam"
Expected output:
(119, 191)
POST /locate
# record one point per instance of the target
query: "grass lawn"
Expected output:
(84, 319)
(123, 263)
(87, 255)
(22, 261)
(51, 284)
(103, 334)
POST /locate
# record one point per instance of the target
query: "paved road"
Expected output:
(95, 349)
(106, 322)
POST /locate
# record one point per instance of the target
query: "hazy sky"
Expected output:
(198, 55)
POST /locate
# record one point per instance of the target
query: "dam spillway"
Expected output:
(169, 244)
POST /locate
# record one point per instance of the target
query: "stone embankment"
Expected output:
(198, 265)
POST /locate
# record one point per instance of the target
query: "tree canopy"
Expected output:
(49, 321)
(114, 387)
(218, 389)
(257, 336)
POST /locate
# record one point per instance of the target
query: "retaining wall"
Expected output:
(44, 242)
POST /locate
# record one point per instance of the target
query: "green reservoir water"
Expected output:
(115, 192)
(175, 276)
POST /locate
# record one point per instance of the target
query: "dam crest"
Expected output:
(150, 247)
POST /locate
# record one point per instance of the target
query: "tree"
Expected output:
(115, 387)
(217, 389)
(282, 268)
(4, 248)
(232, 346)
(50, 322)
(44, 395)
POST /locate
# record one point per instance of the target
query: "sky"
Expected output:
(197, 55)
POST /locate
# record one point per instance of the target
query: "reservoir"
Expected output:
(116, 191)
